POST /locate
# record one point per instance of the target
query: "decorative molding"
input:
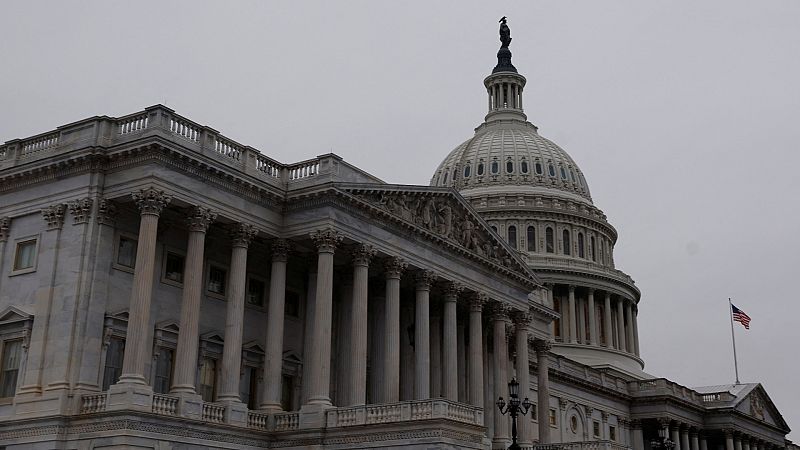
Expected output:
(327, 240)
(5, 226)
(394, 267)
(106, 212)
(363, 254)
(151, 201)
(200, 218)
(542, 346)
(242, 234)
(280, 250)
(81, 210)
(452, 290)
(477, 301)
(424, 279)
(54, 216)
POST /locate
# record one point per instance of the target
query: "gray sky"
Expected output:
(682, 115)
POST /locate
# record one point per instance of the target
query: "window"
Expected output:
(255, 292)
(565, 238)
(593, 249)
(114, 355)
(494, 228)
(612, 432)
(25, 257)
(571, 175)
(495, 167)
(596, 429)
(207, 381)
(216, 279)
(551, 170)
(292, 304)
(509, 167)
(523, 166)
(126, 252)
(573, 424)
(548, 237)
(552, 418)
(9, 370)
(581, 251)
(287, 389)
(248, 387)
(164, 364)
(538, 168)
(466, 171)
(531, 238)
(173, 267)
(563, 174)
(445, 177)
(512, 236)
(480, 169)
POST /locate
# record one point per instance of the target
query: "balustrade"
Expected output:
(304, 169)
(92, 403)
(165, 404)
(37, 144)
(213, 412)
(227, 148)
(131, 124)
(184, 129)
(268, 166)
(287, 421)
(257, 420)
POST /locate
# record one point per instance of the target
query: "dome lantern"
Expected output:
(504, 86)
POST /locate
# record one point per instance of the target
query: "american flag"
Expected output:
(740, 316)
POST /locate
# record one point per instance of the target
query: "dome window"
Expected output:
(548, 239)
(581, 249)
(523, 166)
(565, 239)
(494, 228)
(480, 169)
(538, 168)
(531, 238)
(563, 174)
(551, 170)
(467, 171)
(571, 175)
(495, 167)
(445, 177)
(512, 236)
(593, 249)
(509, 167)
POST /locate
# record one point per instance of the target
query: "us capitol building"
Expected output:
(163, 286)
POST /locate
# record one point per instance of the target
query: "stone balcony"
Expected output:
(584, 445)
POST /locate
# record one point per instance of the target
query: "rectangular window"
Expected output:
(552, 417)
(287, 391)
(596, 429)
(292, 307)
(126, 252)
(173, 267)
(207, 380)
(9, 367)
(114, 355)
(248, 387)
(25, 256)
(255, 292)
(164, 364)
(612, 432)
(216, 279)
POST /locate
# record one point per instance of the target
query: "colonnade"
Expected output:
(688, 437)
(151, 202)
(594, 317)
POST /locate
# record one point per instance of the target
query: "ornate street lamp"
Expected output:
(514, 408)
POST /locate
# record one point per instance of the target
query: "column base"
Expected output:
(190, 404)
(130, 396)
(312, 415)
(235, 412)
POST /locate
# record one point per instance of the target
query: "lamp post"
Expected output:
(513, 408)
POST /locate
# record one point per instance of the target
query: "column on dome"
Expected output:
(185, 371)
(542, 349)
(522, 320)
(273, 345)
(476, 380)
(581, 319)
(573, 322)
(320, 346)
(592, 318)
(629, 327)
(634, 314)
(394, 268)
(450, 342)
(422, 335)
(499, 323)
(241, 236)
(150, 202)
(621, 324)
(607, 329)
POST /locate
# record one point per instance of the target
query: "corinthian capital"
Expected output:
(200, 218)
(5, 225)
(280, 250)
(394, 267)
(521, 318)
(242, 234)
(81, 210)
(327, 240)
(363, 254)
(54, 216)
(151, 201)
(498, 311)
(542, 346)
(452, 289)
(106, 212)
(477, 301)
(424, 279)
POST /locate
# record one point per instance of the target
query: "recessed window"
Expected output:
(9, 367)
(126, 252)
(548, 238)
(164, 365)
(217, 279)
(552, 417)
(494, 228)
(571, 175)
(248, 387)
(596, 429)
(292, 307)
(593, 249)
(551, 170)
(495, 167)
(255, 292)
(509, 167)
(445, 177)
(25, 256)
(581, 251)
(573, 424)
(512, 236)
(480, 169)
(173, 267)
(538, 168)
(114, 355)
(612, 432)
(563, 174)
(287, 391)
(523, 166)
(531, 238)
(207, 384)
(467, 170)
(566, 242)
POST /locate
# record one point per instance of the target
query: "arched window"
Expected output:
(466, 171)
(538, 168)
(523, 166)
(551, 170)
(509, 166)
(494, 228)
(495, 167)
(571, 175)
(445, 177)
(581, 251)
(563, 174)
(565, 238)
(480, 169)
(593, 249)
(548, 238)
(531, 238)
(512, 236)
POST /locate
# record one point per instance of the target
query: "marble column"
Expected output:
(463, 375)
(684, 437)
(737, 442)
(394, 268)
(185, 369)
(450, 343)
(676, 437)
(592, 319)
(137, 346)
(629, 327)
(521, 322)
(581, 320)
(694, 443)
(273, 358)
(607, 321)
(704, 444)
(241, 235)
(319, 359)
(621, 324)
(542, 349)
(745, 443)
(573, 322)
(638, 435)
(436, 350)
(729, 445)
(499, 323)
(422, 336)
(476, 351)
(356, 383)
(634, 314)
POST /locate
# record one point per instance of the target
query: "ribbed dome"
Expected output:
(511, 153)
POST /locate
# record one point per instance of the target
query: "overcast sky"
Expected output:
(682, 115)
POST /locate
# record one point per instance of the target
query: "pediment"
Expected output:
(759, 405)
(212, 336)
(441, 214)
(119, 315)
(14, 314)
(168, 325)
(253, 346)
(292, 356)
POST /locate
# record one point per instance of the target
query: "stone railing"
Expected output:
(213, 412)
(664, 387)
(576, 264)
(404, 412)
(287, 421)
(584, 445)
(258, 420)
(92, 403)
(165, 404)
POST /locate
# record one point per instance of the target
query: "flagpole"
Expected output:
(733, 339)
